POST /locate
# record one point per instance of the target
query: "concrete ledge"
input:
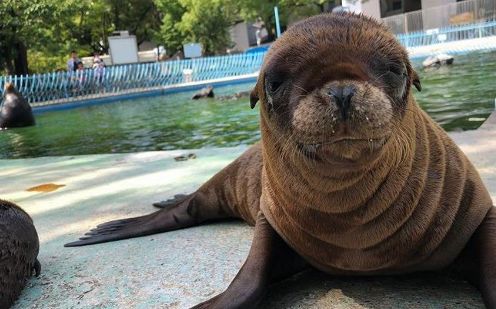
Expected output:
(490, 123)
(455, 47)
(181, 268)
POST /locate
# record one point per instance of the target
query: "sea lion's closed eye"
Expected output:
(399, 70)
(271, 87)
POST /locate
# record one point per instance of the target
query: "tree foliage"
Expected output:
(22, 25)
(206, 22)
(203, 21)
(169, 33)
(139, 17)
(41, 33)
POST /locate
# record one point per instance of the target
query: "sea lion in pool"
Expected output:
(207, 92)
(15, 111)
(19, 246)
(350, 177)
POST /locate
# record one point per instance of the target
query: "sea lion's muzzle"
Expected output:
(343, 121)
(342, 96)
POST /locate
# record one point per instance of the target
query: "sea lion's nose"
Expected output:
(342, 95)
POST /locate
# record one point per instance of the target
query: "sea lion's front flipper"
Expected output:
(185, 213)
(477, 262)
(484, 242)
(269, 260)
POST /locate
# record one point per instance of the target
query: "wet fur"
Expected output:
(398, 197)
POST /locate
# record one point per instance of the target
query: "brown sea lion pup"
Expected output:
(19, 246)
(351, 176)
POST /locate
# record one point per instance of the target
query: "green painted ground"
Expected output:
(459, 97)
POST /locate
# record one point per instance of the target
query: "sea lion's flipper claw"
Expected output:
(37, 268)
(269, 260)
(178, 198)
(116, 222)
(477, 262)
(120, 229)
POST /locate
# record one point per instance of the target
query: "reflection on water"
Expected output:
(453, 96)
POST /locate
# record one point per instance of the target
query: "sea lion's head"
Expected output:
(335, 87)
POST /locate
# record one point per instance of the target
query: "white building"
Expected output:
(417, 15)
(243, 36)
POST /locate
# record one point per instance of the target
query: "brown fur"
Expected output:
(416, 202)
(403, 214)
(19, 247)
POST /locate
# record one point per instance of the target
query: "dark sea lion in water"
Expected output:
(19, 246)
(15, 110)
(207, 92)
(351, 176)
(236, 96)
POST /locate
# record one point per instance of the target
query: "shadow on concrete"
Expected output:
(426, 290)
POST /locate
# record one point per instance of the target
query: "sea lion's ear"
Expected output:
(253, 97)
(416, 80)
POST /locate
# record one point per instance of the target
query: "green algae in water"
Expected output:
(451, 95)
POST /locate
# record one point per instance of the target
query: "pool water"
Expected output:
(459, 97)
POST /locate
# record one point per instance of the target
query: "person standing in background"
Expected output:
(72, 63)
(98, 68)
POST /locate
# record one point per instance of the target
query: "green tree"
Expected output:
(203, 21)
(289, 10)
(139, 17)
(22, 23)
(44, 31)
(206, 22)
(169, 33)
(41, 33)
(255, 9)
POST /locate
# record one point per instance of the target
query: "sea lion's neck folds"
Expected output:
(331, 185)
